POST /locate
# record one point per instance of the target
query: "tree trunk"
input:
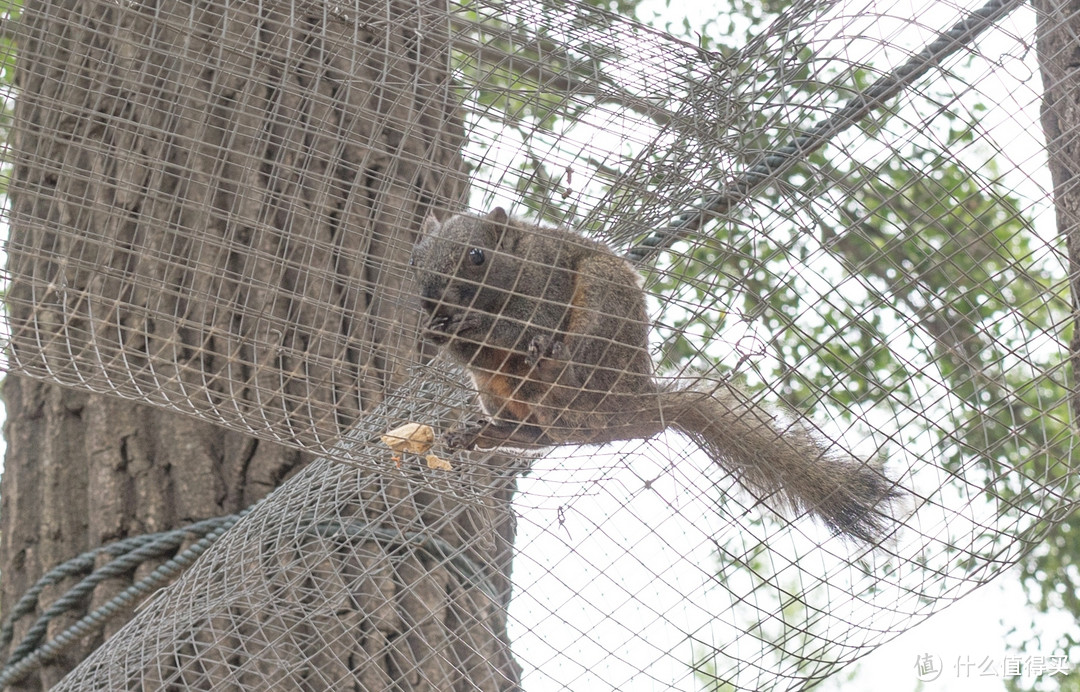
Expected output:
(1057, 27)
(212, 209)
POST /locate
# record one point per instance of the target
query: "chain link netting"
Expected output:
(212, 208)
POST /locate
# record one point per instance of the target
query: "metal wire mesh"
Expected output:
(212, 209)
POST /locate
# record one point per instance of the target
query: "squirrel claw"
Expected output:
(542, 347)
(440, 328)
(461, 322)
(436, 329)
(462, 437)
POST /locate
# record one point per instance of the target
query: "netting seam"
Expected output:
(777, 161)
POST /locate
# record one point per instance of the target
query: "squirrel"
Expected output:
(552, 328)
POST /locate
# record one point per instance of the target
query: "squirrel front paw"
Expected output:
(435, 329)
(462, 437)
(441, 327)
(542, 347)
(462, 322)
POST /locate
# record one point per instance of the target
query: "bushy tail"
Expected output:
(778, 460)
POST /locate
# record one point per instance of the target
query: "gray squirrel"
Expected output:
(553, 330)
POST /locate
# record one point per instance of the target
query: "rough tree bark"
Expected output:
(212, 206)
(1058, 49)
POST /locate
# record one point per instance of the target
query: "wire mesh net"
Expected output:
(213, 206)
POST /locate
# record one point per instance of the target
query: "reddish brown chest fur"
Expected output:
(496, 374)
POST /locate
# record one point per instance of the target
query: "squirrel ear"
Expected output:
(497, 215)
(429, 225)
(499, 220)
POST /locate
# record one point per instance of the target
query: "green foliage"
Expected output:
(910, 251)
(530, 82)
(904, 280)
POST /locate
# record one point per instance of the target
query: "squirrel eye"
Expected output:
(476, 256)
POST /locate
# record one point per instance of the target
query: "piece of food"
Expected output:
(411, 437)
(438, 463)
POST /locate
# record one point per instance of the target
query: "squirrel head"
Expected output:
(458, 264)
